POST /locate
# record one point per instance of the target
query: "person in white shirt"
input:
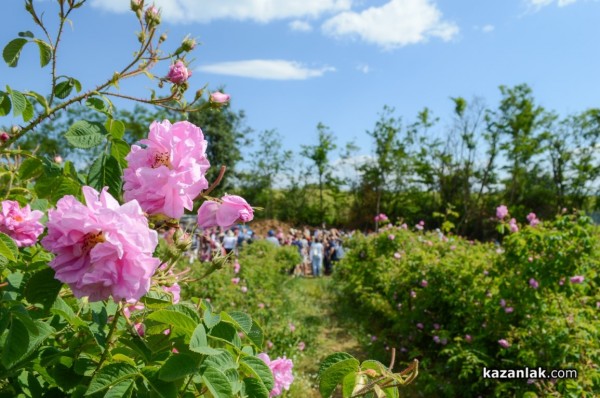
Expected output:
(316, 257)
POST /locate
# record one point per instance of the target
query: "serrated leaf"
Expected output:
(216, 382)
(106, 172)
(45, 52)
(259, 369)
(98, 105)
(334, 375)
(174, 319)
(210, 319)
(256, 335)
(43, 288)
(178, 366)
(111, 375)
(199, 342)
(5, 104)
(30, 168)
(227, 333)
(12, 51)
(122, 389)
(255, 389)
(332, 359)
(224, 361)
(63, 89)
(28, 112)
(8, 247)
(119, 149)
(23, 339)
(55, 188)
(85, 135)
(19, 102)
(116, 128)
(239, 319)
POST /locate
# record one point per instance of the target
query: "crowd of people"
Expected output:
(319, 249)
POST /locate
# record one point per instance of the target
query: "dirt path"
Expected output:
(334, 333)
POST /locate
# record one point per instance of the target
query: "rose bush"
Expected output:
(90, 295)
(532, 301)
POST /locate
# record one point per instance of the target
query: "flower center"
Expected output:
(161, 159)
(18, 218)
(90, 240)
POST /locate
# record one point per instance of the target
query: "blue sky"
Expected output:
(292, 64)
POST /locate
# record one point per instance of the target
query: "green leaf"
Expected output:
(199, 342)
(76, 84)
(30, 168)
(19, 102)
(256, 335)
(223, 361)
(216, 382)
(332, 359)
(174, 319)
(63, 89)
(349, 382)
(259, 369)
(43, 288)
(227, 333)
(98, 105)
(45, 52)
(179, 366)
(106, 172)
(161, 388)
(239, 319)
(23, 339)
(55, 188)
(84, 134)
(334, 375)
(116, 128)
(122, 389)
(210, 319)
(111, 375)
(255, 389)
(28, 112)
(5, 104)
(12, 51)
(119, 149)
(8, 247)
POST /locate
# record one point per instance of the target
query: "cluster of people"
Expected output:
(319, 249)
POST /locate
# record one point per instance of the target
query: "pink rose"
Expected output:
(292, 327)
(175, 290)
(219, 98)
(178, 73)
(397, 256)
(424, 283)
(508, 310)
(21, 224)
(236, 267)
(244, 289)
(436, 339)
(577, 279)
(301, 346)
(533, 220)
(58, 159)
(503, 343)
(170, 171)
(533, 283)
(513, 225)
(391, 236)
(235, 281)
(139, 328)
(420, 326)
(282, 373)
(231, 210)
(468, 338)
(132, 307)
(101, 248)
(501, 212)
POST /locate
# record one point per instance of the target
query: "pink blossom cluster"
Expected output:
(501, 212)
(512, 224)
(101, 249)
(21, 224)
(577, 279)
(533, 283)
(533, 220)
(282, 373)
(169, 171)
(380, 217)
(225, 213)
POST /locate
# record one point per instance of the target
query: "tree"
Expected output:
(319, 154)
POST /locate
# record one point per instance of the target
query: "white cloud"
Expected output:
(487, 28)
(185, 11)
(269, 69)
(300, 26)
(537, 4)
(364, 68)
(395, 24)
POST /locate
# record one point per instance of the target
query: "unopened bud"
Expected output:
(188, 44)
(219, 98)
(162, 38)
(4, 136)
(370, 372)
(15, 129)
(182, 240)
(152, 16)
(137, 5)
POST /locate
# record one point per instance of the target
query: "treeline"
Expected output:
(452, 173)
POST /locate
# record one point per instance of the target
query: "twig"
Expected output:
(217, 181)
